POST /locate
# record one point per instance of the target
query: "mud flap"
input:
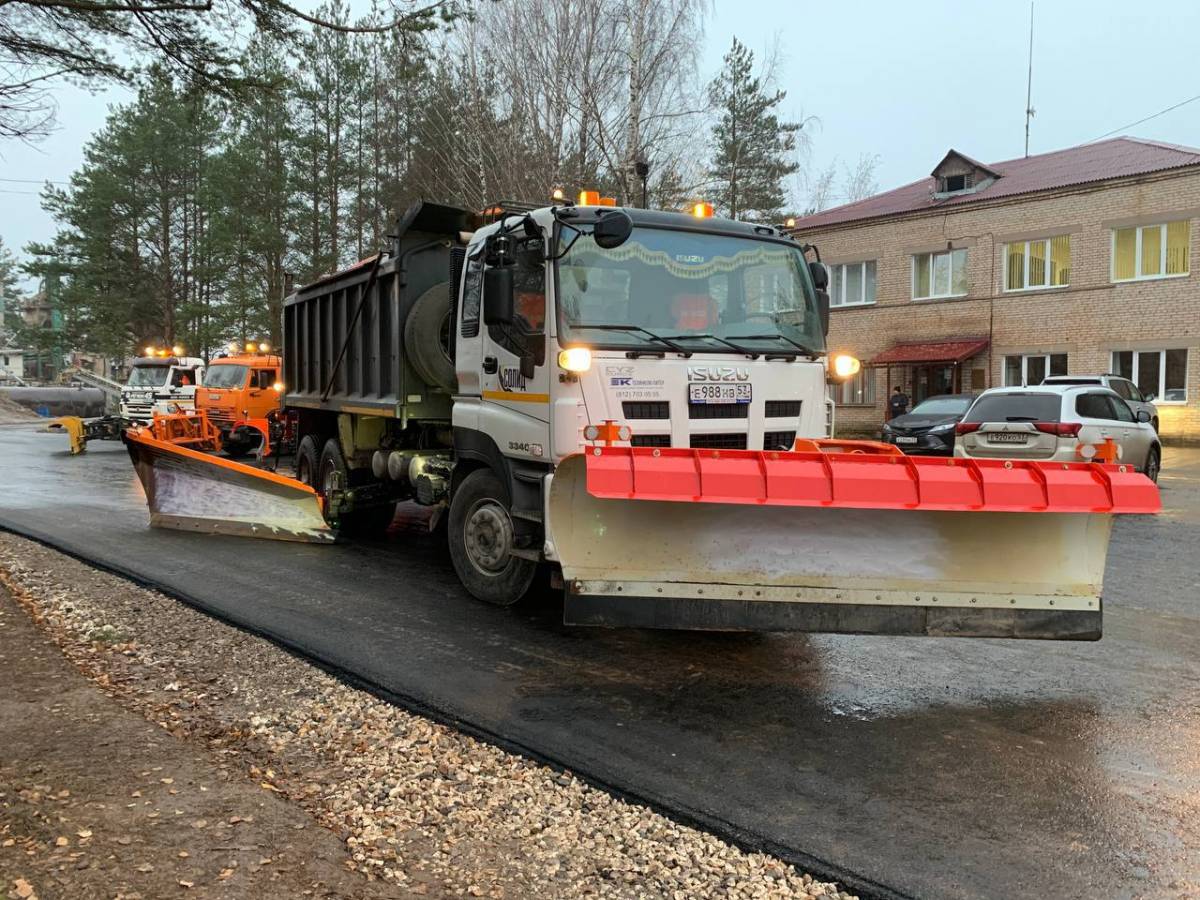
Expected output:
(193, 491)
(834, 543)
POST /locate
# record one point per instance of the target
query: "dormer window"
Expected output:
(952, 184)
(957, 174)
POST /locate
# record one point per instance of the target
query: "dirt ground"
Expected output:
(95, 801)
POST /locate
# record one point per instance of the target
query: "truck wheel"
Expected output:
(480, 534)
(361, 522)
(307, 458)
(427, 338)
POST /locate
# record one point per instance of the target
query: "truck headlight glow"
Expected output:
(575, 359)
(843, 365)
(278, 387)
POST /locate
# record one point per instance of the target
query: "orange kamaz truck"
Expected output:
(239, 395)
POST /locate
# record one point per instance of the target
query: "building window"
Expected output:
(952, 184)
(1161, 375)
(1038, 264)
(1150, 251)
(852, 284)
(856, 391)
(939, 274)
(1031, 368)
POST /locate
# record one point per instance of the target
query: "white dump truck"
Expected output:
(636, 400)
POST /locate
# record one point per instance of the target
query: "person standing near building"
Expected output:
(897, 403)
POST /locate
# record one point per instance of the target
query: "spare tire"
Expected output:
(427, 338)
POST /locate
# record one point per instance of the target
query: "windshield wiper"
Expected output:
(752, 354)
(803, 348)
(666, 342)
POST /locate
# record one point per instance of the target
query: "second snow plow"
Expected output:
(837, 542)
(190, 489)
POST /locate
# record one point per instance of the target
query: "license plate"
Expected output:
(1007, 437)
(906, 440)
(704, 392)
(214, 396)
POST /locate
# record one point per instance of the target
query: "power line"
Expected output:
(1161, 112)
(30, 193)
(34, 181)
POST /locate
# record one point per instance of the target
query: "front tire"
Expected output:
(481, 537)
(1153, 465)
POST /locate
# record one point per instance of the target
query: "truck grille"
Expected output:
(646, 409)
(719, 441)
(650, 440)
(718, 410)
(779, 409)
(779, 440)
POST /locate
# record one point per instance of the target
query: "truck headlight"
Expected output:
(575, 359)
(843, 365)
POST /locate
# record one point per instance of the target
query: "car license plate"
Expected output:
(906, 440)
(704, 392)
(1007, 437)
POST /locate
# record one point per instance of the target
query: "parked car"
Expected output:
(1057, 422)
(1126, 389)
(929, 428)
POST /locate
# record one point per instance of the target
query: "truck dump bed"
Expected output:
(343, 335)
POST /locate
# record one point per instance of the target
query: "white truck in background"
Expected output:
(160, 381)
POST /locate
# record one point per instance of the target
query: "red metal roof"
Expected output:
(930, 352)
(1119, 157)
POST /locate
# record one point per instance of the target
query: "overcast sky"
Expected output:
(906, 81)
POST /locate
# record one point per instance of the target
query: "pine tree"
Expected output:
(753, 149)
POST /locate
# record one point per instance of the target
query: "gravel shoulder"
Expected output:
(345, 794)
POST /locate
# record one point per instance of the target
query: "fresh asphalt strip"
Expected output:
(822, 869)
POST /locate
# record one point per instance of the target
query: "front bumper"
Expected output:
(931, 443)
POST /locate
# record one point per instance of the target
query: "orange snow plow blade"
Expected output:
(190, 490)
(860, 540)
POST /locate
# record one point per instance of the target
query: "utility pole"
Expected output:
(1029, 84)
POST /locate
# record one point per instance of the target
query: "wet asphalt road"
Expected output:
(925, 767)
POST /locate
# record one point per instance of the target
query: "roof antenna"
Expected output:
(1029, 111)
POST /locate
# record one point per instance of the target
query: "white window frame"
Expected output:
(834, 302)
(1162, 373)
(1025, 357)
(949, 253)
(1137, 254)
(1033, 287)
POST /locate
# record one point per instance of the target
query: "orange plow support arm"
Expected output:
(855, 542)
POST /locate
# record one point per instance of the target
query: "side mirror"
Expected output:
(1143, 416)
(498, 296)
(823, 309)
(820, 275)
(612, 229)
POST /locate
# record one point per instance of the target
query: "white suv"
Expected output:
(1067, 423)
(1126, 389)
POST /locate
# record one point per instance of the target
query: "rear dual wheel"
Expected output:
(325, 471)
(482, 538)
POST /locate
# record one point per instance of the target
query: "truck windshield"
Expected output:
(147, 376)
(227, 376)
(701, 292)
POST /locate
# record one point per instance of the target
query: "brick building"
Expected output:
(1079, 261)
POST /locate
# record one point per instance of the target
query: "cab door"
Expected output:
(260, 395)
(514, 369)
